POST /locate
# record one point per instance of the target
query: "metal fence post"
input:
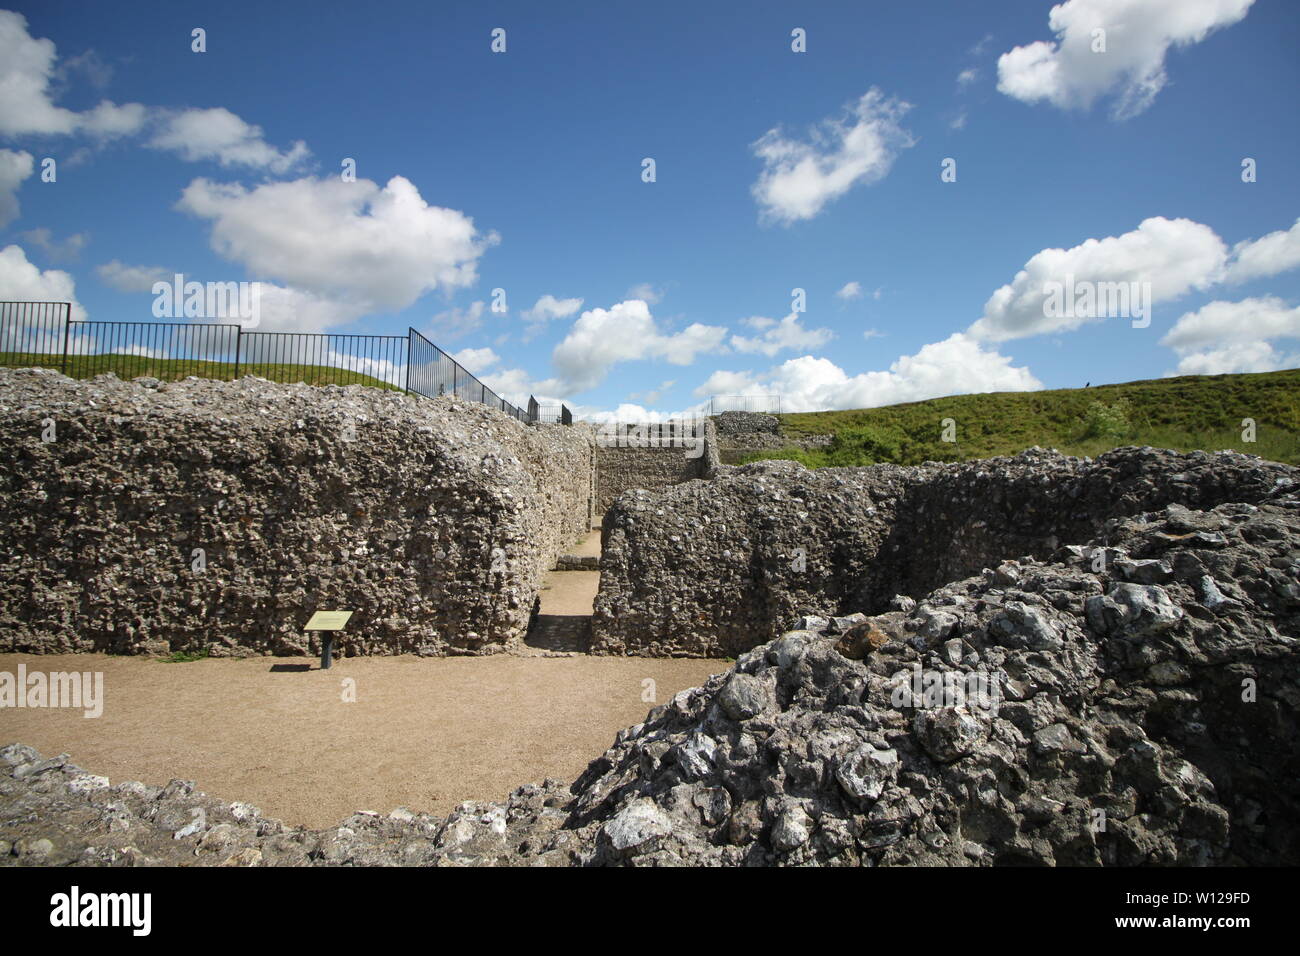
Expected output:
(409, 352)
(67, 327)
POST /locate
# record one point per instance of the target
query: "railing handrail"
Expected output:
(193, 325)
(336, 335)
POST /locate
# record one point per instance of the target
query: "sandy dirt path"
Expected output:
(563, 623)
(425, 733)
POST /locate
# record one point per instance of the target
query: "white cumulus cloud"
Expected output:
(1235, 337)
(1220, 323)
(127, 278)
(1174, 255)
(457, 322)
(58, 249)
(109, 121)
(31, 76)
(957, 365)
(549, 307)
(779, 336)
(219, 135)
(22, 281)
(800, 178)
(601, 338)
(1067, 73)
(27, 106)
(515, 385)
(1266, 256)
(288, 309)
(476, 360)
(370, 248)
(14, 168)
(644, 291)
(1238, 357)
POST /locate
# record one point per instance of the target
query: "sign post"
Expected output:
(327, 622)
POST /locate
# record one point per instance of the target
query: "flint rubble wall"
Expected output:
(434, 520)
(1117, 733)
(624, 464)
(742, 433)
(730, 424)
(716, 568)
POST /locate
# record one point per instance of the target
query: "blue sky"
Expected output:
(775, 170)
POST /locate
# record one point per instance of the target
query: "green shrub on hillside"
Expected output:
(868, 445)
(1107, 421)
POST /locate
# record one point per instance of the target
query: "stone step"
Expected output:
(577, 562)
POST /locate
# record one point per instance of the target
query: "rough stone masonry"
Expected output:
(652, 457)
(714, 568)
(147, 517)
(741, 433)
(1135, 617)
(1145, 713)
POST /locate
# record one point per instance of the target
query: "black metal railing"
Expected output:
(431, 372)
(162, 350)
(44, 334)
(34, 333)
(745, 403)
(553, 414)
(324, 358)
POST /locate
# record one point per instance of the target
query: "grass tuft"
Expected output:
(183, 657)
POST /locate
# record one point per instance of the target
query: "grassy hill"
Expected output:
(1184, 413)
(134, 366)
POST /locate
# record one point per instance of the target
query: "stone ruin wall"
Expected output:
(734, 424)
(626, 462)
(434, 520)
(1116, 694)
(742, 433)
(1119, 685)
(716, 568)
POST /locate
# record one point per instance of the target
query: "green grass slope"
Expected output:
(134, 366)
(1185, 413)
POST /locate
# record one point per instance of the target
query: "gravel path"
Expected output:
(425, 733)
